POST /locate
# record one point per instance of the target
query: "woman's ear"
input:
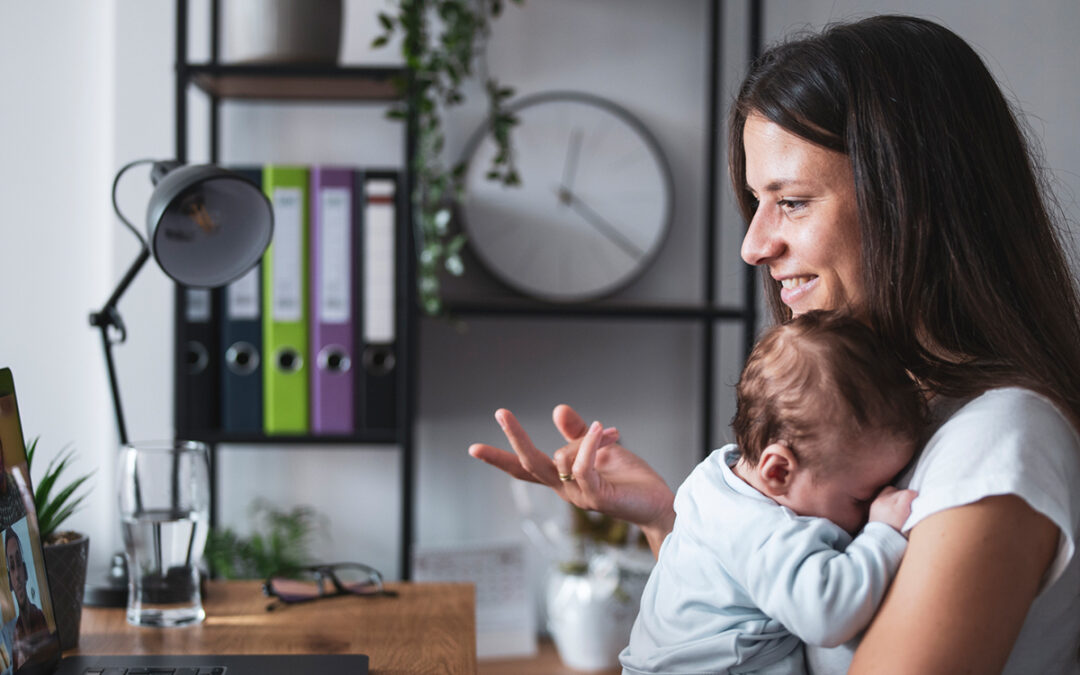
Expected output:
(776, 469)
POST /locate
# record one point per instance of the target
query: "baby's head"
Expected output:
(825, 417)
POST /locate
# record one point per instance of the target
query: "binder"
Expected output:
(378, 265)
(241, 351)
(285, 303)
(241, 345)
(197, 400)
(333, 261)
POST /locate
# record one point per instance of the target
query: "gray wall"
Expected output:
(643, 377)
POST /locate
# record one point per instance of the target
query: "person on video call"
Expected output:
(31, 620)
(12, 509)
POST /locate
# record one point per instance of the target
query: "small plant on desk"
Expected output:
(592, 597)
(278, 546)
(66, 552)
(56, 503)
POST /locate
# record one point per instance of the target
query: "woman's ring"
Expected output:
(566, 477)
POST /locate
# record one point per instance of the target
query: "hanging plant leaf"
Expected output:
(438, 66)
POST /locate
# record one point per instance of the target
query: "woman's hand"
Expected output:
(606, 477)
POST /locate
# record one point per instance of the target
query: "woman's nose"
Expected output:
(762, 242)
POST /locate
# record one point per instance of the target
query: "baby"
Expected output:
(762, 557)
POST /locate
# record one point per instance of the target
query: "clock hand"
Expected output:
(602, 226)
(570, 167)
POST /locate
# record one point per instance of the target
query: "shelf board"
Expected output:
(374, 437)
(296, 82)
(587, 311)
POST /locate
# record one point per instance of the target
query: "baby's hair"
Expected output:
(823, 374)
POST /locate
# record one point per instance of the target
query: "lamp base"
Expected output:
(108, 589)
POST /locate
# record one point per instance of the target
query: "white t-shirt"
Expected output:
(1005, 441)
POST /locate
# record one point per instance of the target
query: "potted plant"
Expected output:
(65, 551)
(438, 64)
(278, 546)
(593, 596)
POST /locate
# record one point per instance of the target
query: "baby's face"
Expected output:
(843, 495)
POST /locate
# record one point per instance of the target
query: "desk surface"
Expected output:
(427, 628)
(546, 662)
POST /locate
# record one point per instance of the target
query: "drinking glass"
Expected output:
(164, 491)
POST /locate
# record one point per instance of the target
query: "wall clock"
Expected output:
(593, 207)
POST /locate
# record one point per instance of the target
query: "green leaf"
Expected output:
(278, 545)
(53, 511)
(30, 449)
(456, 244)
(441, 41)
(454, 265)
(432, 305)
(57, 510)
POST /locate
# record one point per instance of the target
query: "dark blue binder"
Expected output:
(241, 345)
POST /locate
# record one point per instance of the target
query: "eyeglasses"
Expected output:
(325, 581)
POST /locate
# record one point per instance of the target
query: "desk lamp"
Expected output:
(206, 227)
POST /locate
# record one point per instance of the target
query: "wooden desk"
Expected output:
(428, 628)
(546, 662)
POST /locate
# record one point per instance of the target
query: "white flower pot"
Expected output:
(590, 615)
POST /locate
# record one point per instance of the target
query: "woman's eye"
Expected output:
(791, 204)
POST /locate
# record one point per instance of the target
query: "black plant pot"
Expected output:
(65, 567)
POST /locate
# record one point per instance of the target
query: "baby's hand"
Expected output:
(892, 506)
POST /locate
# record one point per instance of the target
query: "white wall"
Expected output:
(1031, 48)
(90, 87)
(56, 156)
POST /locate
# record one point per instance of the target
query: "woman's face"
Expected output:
(805, 228)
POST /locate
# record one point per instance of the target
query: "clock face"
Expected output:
(593, 207)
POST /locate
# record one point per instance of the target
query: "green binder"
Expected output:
(285, 303)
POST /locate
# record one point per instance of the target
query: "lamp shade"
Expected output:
(206, 226)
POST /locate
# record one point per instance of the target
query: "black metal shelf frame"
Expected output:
(285, 83)
(628, 312)
(377, 85)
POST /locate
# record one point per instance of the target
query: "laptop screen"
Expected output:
(28, 637)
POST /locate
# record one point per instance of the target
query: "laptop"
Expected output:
(32, 646)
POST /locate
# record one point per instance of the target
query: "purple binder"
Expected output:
(334, 231)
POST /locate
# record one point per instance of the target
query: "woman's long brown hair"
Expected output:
(963, 265)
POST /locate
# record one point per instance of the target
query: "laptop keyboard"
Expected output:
(157, 670)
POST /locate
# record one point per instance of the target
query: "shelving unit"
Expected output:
(374, 85)
(708, 312)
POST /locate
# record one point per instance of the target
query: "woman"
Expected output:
(882, 172)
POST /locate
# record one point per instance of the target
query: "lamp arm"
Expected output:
(109, 317)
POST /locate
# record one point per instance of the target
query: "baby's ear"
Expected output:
(776, 469)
